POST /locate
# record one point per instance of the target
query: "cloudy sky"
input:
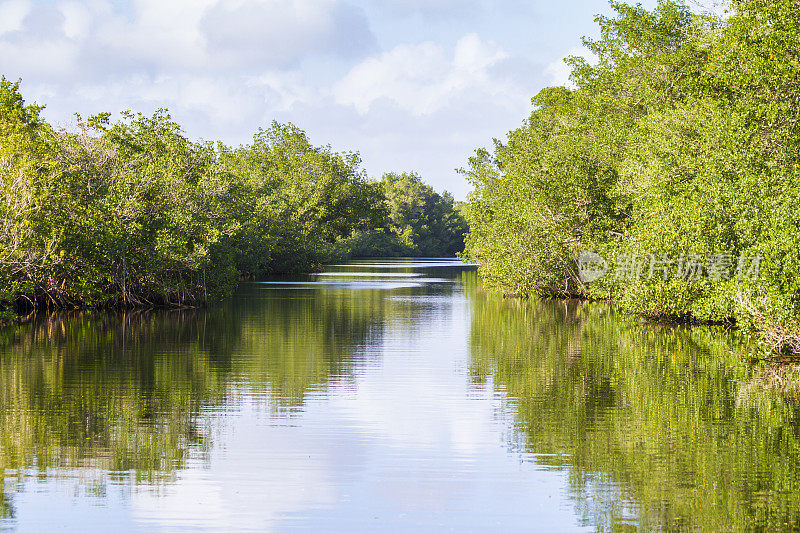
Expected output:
(411, 84)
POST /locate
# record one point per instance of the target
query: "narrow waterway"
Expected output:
(386, 394)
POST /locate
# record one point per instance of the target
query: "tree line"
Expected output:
(672, 161)
(134, 213)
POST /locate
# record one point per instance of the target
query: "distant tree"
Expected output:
(425, 222)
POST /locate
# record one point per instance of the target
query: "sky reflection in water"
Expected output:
(415, 400)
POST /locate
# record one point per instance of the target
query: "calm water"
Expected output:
(386, 395)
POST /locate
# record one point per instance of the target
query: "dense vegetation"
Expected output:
(675, 156)
(420, 223)
(134, 213)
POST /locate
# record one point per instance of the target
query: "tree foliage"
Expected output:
(420, 222)
(679, 141)
(132, 212)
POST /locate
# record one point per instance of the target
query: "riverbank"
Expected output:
(132, 213)
(663, 178)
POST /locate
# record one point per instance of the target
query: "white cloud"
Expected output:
(226, 67)
(450, 8)
(279, 32)
(283, 91)
(240, 103)
(45, 59)
(12, 15)
(243, 35)
(421, 78)
(221, 66)
(77, 19)
(200, 36)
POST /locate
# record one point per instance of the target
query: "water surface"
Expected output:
(388, 394)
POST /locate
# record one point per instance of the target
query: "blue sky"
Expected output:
(413, 85)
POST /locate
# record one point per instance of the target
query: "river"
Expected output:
(387, 395)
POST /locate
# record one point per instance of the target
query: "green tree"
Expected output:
(679, 141)
(423, 221)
